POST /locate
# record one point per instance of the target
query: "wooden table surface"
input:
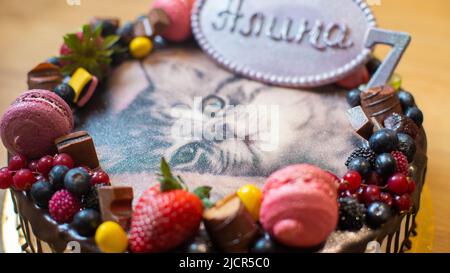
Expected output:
(32, 31)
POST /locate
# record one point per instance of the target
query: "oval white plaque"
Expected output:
(293, 43)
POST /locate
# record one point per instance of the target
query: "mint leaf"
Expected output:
(110, 41)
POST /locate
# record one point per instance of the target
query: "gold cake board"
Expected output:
(13, 239)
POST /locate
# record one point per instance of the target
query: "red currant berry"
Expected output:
(343, 186)
(374, 179)
(4, 169)
(17, 162)
(398, 184)
(6, 179)
(354, 180)
(63, 159)
(33, 166)
(411, 185)
(386, 198)
(89, 170)
(23, 179)
(45, 164)
(403, 202)
(100, 177)
(371, 194)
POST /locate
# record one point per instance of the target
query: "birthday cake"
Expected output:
(139, 138)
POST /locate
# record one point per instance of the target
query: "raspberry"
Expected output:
(366, 153)
(351, 214)
(63, 206)
(402, 162)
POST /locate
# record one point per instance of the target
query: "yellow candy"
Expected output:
(140, 47)
(251, 197)
(111, 238)
(78, 81)
(395, 81)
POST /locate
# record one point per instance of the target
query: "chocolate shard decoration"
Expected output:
(81, 147)
(360, 122)
(116, 204)
(44, 76)
(230, 226)
(152, 25)
(376, 125)
(380, 102)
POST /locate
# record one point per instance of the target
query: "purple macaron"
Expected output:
(33, 121)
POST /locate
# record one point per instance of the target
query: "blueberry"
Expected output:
(378, 213)
(54, 61)
(264, 245)
(353, 97)
(56, 176)
(361, 165)
(372, 65)
(126, 33)
(385, 165)
(407, 146)
(406, 99)
(78, 181)
(415, 114)
(42, 192)
(66, 92)
(86, 222)
(199, 247)
(383, 141)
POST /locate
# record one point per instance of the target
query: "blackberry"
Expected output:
(351, 214)
(90, 200)
(366, 153)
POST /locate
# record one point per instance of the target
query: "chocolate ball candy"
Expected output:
(140, 47)
(383, 141)
(415, 114)
(385, 165)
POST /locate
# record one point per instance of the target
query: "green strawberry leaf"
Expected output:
(203, 192)
(165, 168)
(110, 41)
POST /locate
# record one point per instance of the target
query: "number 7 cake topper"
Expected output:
(294, 43)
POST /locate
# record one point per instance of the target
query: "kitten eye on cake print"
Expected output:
(135, 124)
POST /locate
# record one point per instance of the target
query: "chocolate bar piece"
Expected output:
(44, 76)
(230, 226)
(116, 204)
(151, 25)
(80, 146)
(380, 102)
(360, 122)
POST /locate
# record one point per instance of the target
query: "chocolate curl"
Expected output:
(153, 24)
(362, 125)
(116, 204)
(44, 76)
(230, 226)
(80, 146)
(380, 102)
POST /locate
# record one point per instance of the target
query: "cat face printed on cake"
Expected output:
(178, 104)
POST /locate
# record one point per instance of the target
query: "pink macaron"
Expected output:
(33, 121)
(299, 207)
(179, 12)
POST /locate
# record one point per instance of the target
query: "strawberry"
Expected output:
(166, 215)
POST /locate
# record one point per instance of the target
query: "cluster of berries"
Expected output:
(69, 192)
